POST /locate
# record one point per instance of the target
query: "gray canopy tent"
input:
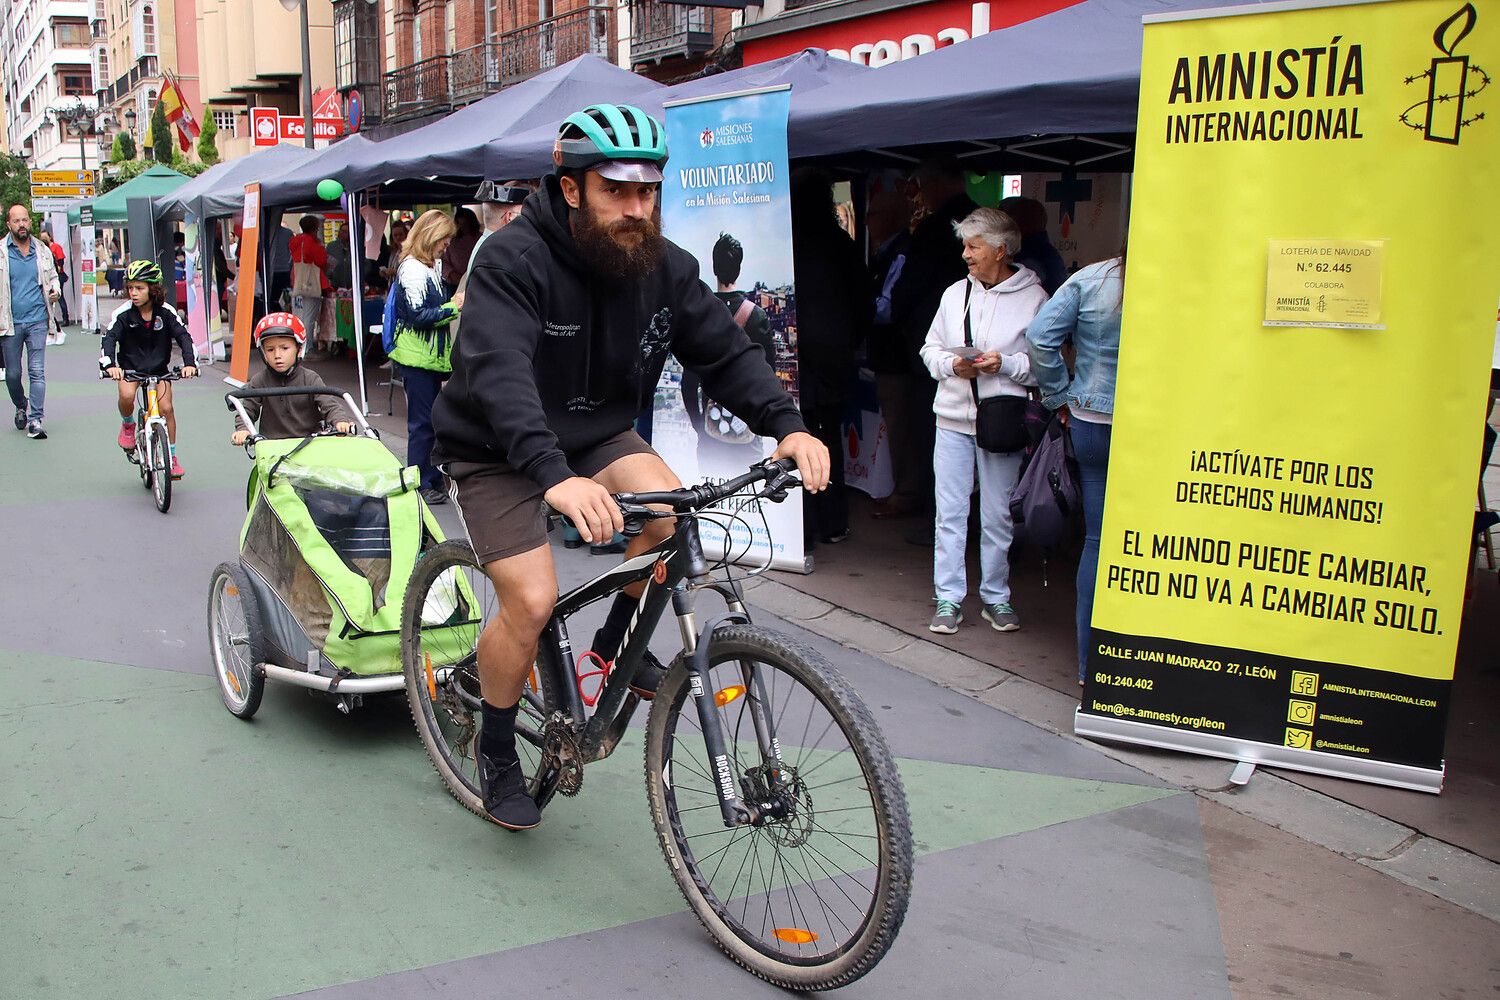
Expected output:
(1057, 90)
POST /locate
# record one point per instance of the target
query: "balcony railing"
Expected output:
(527, 51)
(417, 89)
(662, 30)
(145, 69)
(448, 81)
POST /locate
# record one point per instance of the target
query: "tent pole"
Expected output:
(357, 293)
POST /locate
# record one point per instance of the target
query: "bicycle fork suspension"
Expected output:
(735, 810)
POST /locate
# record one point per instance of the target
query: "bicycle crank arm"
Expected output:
(735, 812)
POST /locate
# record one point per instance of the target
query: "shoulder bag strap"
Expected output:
(969, 335)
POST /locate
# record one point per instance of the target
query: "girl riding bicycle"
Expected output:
(140, 339)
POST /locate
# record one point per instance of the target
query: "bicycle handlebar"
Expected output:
(777, 476)
(172, 375)
(285, 390)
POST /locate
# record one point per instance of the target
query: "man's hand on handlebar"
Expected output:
(189, 371)
(589, 506)
(344, 426)
(811, 456)
(115, 372)
(239, 437)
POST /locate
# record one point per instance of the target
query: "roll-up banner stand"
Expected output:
(88, 272)
(728, 178)
(1302, 386)
(244, 304)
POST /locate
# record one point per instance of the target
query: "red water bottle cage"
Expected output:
(601, 670)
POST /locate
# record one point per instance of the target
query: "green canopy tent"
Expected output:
(109, 208)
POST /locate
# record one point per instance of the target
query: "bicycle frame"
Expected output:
(147, 415)
(673, 570)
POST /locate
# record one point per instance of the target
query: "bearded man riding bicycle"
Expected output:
(570, 313)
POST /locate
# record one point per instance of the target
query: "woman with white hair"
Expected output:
(976, 349)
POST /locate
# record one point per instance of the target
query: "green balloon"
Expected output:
(330, 189)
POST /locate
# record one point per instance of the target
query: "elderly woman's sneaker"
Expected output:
(1002, 617)
(946, 619)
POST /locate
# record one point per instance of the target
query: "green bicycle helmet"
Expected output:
(618, 141)
(143, 270)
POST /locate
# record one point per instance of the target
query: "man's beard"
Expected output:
(22, 232)
(598, 246)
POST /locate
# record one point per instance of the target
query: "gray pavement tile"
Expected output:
(1301, 922)
(1034, 915)
(1448, 873)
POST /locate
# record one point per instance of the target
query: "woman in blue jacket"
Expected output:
(1086, 309)
(423, 345)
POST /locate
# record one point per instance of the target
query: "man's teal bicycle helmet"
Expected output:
(616, 140)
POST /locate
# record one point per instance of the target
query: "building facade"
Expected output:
(47, 64)
(253, 58)
(135, 43)
(409, 61)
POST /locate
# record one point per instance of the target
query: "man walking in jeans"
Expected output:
(28, 287)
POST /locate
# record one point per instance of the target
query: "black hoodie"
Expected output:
(555, 359)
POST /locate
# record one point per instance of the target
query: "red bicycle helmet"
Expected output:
(281, 325)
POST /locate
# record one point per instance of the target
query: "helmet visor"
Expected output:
(637, 171)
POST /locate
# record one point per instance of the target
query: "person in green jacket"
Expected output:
(424, 344)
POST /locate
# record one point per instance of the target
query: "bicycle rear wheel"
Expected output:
(448, 602)
(813, 898)
(161, 467)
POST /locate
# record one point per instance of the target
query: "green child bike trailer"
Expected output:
(334, 528)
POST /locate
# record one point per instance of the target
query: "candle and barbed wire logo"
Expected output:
(1453, 81)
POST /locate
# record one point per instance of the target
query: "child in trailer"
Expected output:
(282, 339)
(139, 339)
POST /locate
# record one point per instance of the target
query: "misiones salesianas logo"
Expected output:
(1453, 81)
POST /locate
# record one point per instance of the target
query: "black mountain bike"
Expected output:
(773, 794)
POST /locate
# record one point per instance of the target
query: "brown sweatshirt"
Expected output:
(291, 416)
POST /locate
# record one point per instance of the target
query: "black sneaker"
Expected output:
(433, 497)
(21, 419)
(503, 788)
(35, 432)
(648, 678)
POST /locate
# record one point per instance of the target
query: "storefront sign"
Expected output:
(728, 176)
(264, 126)
(1287, 534)
(893, 35)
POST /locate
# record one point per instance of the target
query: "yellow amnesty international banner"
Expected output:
(1308, 324)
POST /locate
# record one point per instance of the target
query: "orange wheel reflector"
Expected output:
(728, 694)
(534, 681)
(234, 682)
(431, 677)
(795, 935)
(231, 591)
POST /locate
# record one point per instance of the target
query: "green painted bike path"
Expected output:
(160, 848)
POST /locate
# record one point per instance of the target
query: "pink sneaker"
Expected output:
(126, 439)
(177, 472)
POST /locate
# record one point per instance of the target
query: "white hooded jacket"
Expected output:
(998, 318)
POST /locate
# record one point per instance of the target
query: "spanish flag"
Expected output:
(175, 105)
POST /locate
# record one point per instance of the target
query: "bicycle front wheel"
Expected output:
(812, 895)
(161, 467)
(449, 601)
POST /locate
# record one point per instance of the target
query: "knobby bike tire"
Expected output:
(893, 883)
(448, 555)
(161, 471)
(244, 702)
